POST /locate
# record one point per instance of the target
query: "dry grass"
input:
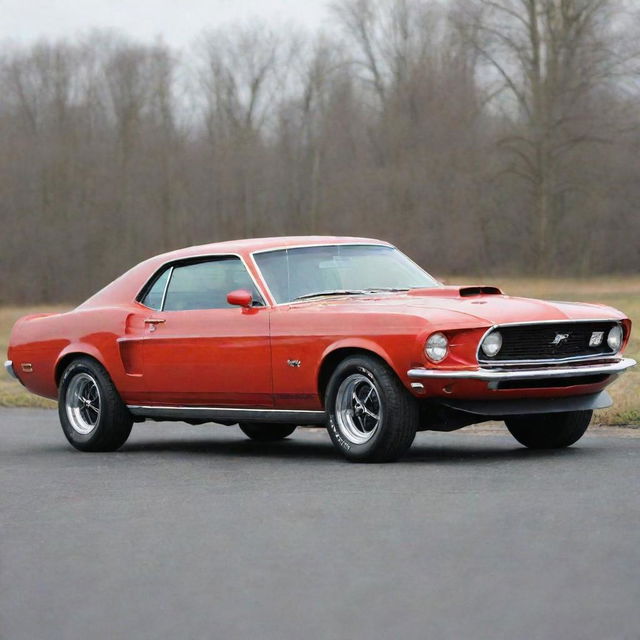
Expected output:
(12, 393)
(619, 292)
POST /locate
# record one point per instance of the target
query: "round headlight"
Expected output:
(614, 339)
(492, 344)
(436, 347)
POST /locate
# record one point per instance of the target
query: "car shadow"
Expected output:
(291, 448)
(428, 450)
(432, 448)
(435, 454)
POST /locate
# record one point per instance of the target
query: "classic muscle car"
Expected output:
(277, 333)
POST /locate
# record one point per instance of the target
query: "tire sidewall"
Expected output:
(267, 431)
(550, 431)
(348, 448)
(74, 437)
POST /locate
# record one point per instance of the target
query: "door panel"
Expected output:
(212, 357)
(191, 347)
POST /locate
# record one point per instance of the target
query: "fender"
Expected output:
(78, 348)
(357, 343)
(353, 343)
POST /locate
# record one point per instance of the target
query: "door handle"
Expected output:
(152, 323)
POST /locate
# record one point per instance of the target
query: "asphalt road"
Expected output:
(196, 532)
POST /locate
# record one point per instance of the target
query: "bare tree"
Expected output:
(478, 135)
(551, 57)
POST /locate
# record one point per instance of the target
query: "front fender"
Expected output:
(357, 343)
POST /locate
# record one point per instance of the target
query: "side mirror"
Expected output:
(240, 298)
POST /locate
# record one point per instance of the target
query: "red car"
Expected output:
(344, 332)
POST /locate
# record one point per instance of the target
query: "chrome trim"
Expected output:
(8, 365)
(174, 261)
(83, 403)
(229, 413)
(365, 243)
(380, 243)
(529, 322)
(166, 287)
(610, 368)
(497, 364)
(516, 363)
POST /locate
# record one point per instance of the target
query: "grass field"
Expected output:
(622, 293)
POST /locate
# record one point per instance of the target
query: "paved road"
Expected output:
(195, 532)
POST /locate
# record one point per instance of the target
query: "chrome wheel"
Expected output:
(82, 402)
(358, 408)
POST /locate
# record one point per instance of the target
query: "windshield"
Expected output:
(292, 274)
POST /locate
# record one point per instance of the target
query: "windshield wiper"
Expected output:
(332, 292)
(383, 289)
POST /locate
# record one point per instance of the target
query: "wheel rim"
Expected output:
(358, 408)
(83, 403)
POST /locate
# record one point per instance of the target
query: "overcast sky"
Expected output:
(177, 21)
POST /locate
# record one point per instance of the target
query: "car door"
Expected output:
(197, 349)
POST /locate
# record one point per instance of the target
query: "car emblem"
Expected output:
(560, 338)
(596, 338)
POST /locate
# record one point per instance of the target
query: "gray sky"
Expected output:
(178, 21)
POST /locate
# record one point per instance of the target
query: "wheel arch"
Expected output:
(337, 353)
(73, 353)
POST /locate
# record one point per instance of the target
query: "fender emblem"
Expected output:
(560, 338)
(294, 363)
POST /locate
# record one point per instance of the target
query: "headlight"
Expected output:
(492, 344)
(436, 347)
(614, 339)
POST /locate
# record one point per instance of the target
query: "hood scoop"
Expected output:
(454, 291)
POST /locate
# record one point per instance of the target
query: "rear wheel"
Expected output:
(92, 414)
(372, 417)
(266, 432)
(549, 430)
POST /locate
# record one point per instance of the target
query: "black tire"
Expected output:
(549, 430)
(384, 440)
(113, 421)
(266, 431)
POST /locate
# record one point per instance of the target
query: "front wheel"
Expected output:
(372, 417)
(266, 432)
(549, 430)
(92, 414)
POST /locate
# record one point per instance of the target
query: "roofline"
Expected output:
(248, 246)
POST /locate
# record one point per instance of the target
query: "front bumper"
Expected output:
(502, 375)
(8, 365)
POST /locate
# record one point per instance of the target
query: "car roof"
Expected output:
(127, 286)
(251, 245)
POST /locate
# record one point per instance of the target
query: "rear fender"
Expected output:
(72, 351)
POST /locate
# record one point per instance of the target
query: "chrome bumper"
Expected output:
(8, 365)
(498, 375)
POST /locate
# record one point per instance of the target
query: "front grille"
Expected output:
(533, 342)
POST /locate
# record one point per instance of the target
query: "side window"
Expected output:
(153, 297)
(205, 285)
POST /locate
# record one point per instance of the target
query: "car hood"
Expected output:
(448, 304)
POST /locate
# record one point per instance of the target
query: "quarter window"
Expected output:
(153, 297)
